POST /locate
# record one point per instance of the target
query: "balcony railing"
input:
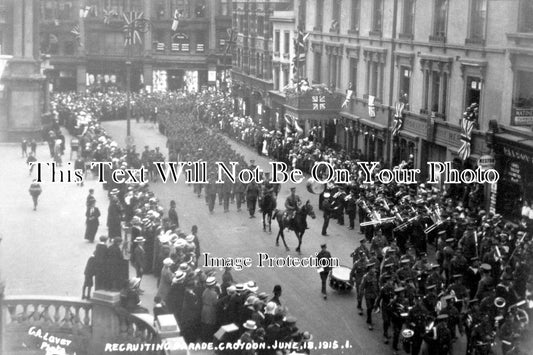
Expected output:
(79, 326)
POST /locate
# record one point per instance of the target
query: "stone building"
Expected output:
(87, 46)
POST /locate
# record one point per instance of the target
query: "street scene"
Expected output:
(266, 177)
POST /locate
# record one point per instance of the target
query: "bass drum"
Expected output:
(340, 279)
(315, 187)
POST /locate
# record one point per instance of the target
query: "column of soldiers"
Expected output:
(476, 286)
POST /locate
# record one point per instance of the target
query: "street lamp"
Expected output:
(134, 25)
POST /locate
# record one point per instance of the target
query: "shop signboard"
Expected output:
(522, 116)
(486, 162)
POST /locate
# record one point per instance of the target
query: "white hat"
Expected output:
(168, 262)
(210, 281)
(250, 324)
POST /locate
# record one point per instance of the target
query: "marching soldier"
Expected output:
(398, 309)
(360, 250)
(370, 290)
(351, 207)
(324, 254)
(358, 271)
(386, 294)
(416, 320)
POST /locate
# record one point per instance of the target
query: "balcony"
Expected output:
(474, 41)
(375, 33)
(438, 38)
(316, 98)
(31, 323)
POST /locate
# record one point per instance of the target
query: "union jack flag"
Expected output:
(175, 20)
(398, 118)
(232, 39)
(134, 24)
(468, 121)
(108, 14)
(76, 32)
(319, 102)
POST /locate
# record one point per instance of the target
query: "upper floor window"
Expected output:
(440, 18)
(405, 85)
(260, 26)
(223, 7)
(408, 17)
(355, 15)
(336, 15)
(377, 16)
(526, 16)
(276, 41)
(286, 42)
(478, 15)
(318, 13)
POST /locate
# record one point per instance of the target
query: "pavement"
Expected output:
(44, 252)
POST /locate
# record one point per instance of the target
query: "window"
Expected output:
(473, 90)
(317, 66)
(285, 77)
(333, 71)
(377, 15)
(276, 78)
(524, 89)
(223, 7)
(356, 15)
(276, 42)
(374, 69)
(478, 15)
(374, 74)
(319, 13)
(159, 9)
(435, 89)
(302, 13)
(260, 26)
(353, 74)
(408, 17)
(181, 6)
(286, 43)
(405, 85)
(65, 10)
(335, 15)
(440, 18)
(241, 23)
(526, 16)
(199, 8)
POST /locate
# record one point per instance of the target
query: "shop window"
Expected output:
(377, 16)
(355, 15)
(405, 85)
(526, 16)
(318, 14)
(478, 16)
(440, 19)
(317, 66)
(408, 17)
(523, 98)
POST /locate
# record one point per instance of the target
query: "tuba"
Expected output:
(499, 302)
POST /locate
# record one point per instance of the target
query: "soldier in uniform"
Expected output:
(397, 308)
(358, 271)
(386, 294)
(226, 191)
(329, 210)
(361, 249)
(238, 190)
(292, 203)
(459, 290)
(370, 290)
(211, 193)
(252, 193)
(486, 283)
(416, 320)
(351, 207)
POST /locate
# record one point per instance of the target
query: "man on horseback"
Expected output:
(292, 204)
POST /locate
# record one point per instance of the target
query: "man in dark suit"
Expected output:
(139, 256)
(101, 281)
(114, 218)
(173, 215)
(324, 254)
(91, 221)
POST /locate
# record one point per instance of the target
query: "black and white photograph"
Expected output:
(266, 177)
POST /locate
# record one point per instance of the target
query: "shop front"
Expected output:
(514, 162)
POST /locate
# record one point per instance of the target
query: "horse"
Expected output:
(268, 205)
(298, 225)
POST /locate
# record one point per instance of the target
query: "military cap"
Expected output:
(485, 267)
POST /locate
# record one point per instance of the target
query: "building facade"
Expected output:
(183, 44)
(437, 57)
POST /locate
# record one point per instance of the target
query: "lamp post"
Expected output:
(134, 25)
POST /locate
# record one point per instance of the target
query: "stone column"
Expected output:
(148, 75)
(211, 7)
(105, 321)
(81, 77)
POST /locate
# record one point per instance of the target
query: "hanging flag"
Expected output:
(349, 94)
(232, 38)
(300, 51)
(319, 102)
(76, 32)
(371, 106)
(468, 121)
(84, 11)
(175, 20)
(134, 24)
(398, 118)
(108, 14)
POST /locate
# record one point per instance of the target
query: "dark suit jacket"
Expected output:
(92, 217)
(173, 217)
(139, 256)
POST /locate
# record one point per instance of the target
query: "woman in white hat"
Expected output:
(247, 337)
(209, 309)
(165, 279)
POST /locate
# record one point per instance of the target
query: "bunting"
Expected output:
(398, 118)
(108, 14)
(371, 106)
(76, 32)
(468, 121)
(300, 50)
(349, 94)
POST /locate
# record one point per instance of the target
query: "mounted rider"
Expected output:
(292, 204)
